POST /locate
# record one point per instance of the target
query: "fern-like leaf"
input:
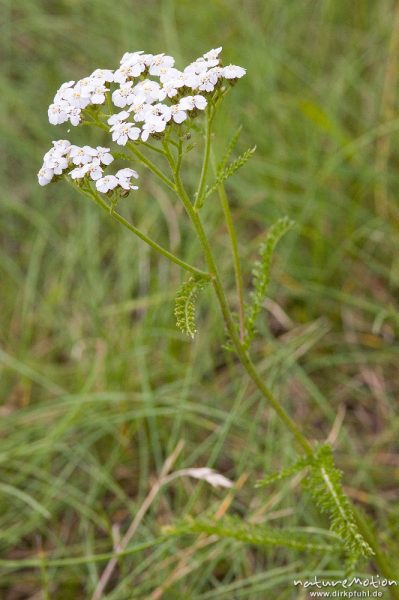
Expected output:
(185, 304)
(258, 535)
(230, 169)
(324, 485)
(261, 273)
(298, 466)
(229, 149)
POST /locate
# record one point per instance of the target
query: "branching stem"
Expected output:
(150, 165)
(154, 245)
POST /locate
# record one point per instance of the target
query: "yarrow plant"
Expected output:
(151, 111)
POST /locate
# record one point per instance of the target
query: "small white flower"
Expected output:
(58, 112)
(60, 93)
(208, 80)
(171, 74)
(197, 67)
(85, 88)
(132, 57)
(151, 90)
(178, 114)
(76, 96)
(57, 164)
(137, 69)
(152, 126)
(124, 176)
(123, 74)
(107, 183)
(55, 161)
(124, 95)
(143, 113)
(45, 175)
(212, 57)
(104, 155)
(233, 72)
(150, 111)
(127, 172)
(118, 117)
(122, 132)
(75, 115)
(133, 64)
(82, 156)
(60, 147)
(172, 80)
(98, 94)
(103, 75)
(160, 62)
(170, 88)
(94, 170)
(200, 102)
(191, 80)
(193, 102)
(137, 103)
(79, 172)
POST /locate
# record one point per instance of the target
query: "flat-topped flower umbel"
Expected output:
(154, 96)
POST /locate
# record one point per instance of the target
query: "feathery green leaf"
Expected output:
(324, 485)
(229, 149)
(185, 304)
(261, 273)
(231, 168)
(258, 535)
(323, 482)
(298, 466)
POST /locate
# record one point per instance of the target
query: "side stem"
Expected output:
(154, 245)
(200, 195)
(150, 165)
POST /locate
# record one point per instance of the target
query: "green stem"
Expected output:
(173, 165)
(117, 217)
(153, 148)
(109, 103)
(200, 195)
(236, 258)
(150, 165)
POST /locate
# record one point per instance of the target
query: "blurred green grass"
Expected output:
(97, 384)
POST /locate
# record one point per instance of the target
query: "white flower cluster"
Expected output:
(152, 93)
(155, 117)
(84, 161)
(73, 97)
(144, 100)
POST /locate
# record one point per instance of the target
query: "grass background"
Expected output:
(97, 384)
